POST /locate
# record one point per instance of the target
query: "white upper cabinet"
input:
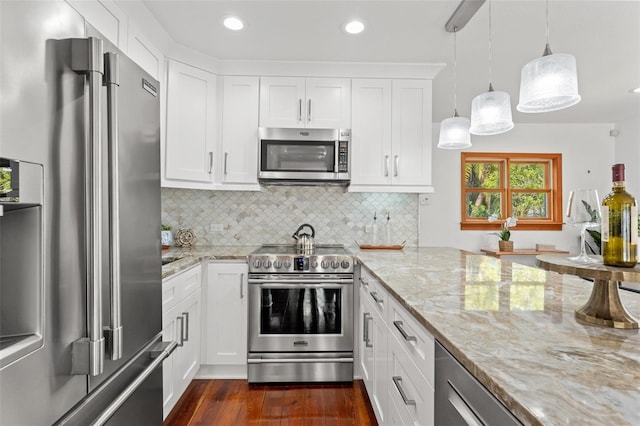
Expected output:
(371, 132)
(144, 53)
(391, 135)
(411, 132)
(106, 17)
(190, 141)
(240, 131)
(322, 103)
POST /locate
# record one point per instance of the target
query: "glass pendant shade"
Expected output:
(491, 113)
(549, 83)
(454, 133)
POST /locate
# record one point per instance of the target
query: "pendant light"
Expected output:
(491, 111)
(549, 83)
(454, 131)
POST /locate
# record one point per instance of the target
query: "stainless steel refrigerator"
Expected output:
(80, 272)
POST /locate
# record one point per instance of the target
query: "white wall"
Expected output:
(627, 151)
(587, 156)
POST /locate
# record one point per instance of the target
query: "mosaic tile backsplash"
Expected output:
(273, 215)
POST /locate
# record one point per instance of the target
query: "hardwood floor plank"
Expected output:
(235, 402)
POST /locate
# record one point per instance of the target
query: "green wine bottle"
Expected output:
(619, 224)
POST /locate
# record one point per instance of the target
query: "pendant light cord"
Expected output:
(490, 51)
(547, 49)
(455, 66)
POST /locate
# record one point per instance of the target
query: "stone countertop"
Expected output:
(513, 328)
(189, 256)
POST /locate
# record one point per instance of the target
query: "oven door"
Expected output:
(301, 315)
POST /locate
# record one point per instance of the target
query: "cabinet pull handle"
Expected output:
(397, 380)
(386, 166)
(226, 156)
(181, 340)
(309, 112)
(462, 407)
(364, 282)
(241, 285)
(400, 328)
(367, 341)
(210, 162)
(395, 173)
(185, 315)
(375, 297)
(300, 109)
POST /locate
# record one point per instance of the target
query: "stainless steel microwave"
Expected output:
(304, 156)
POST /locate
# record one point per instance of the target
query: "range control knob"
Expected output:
(325, 264)
(335, 264)
(267, 264)
(314, 264)
(257, 263)
(287, 264)
(345, 264)
(277, 264)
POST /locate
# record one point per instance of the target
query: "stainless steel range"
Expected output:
(300, 315)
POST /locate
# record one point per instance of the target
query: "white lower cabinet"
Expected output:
(224, 351)
(181, 306)
(396, 358)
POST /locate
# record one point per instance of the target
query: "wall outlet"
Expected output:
(424, 200)
(216, 227)
(368, 229)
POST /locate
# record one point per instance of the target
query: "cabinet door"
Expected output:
(328, 103)
(170, 332)
(411, 132)
(240, 130)
(282, 102)
(190, 123)
(189, 360)
(379, 332)
(144, 53)
(371, 132)
(365, 345)
(106, 17)
(226, 322)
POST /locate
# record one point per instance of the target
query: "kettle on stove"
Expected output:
(305, 242)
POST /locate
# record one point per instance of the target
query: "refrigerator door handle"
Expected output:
(113, 333)
(88, 352)
(159, 353)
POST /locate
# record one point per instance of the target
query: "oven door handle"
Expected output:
(296, 283)
(296, 360)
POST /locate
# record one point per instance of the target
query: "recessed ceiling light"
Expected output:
(233, 23)
(354, 27)
(636, 90)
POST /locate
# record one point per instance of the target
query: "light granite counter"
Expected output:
(513, 328)
(187, 257)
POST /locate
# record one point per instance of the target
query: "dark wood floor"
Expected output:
(235, 402)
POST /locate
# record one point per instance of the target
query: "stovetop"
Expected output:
(285, 258)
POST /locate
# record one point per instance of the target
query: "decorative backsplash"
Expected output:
(273, 214)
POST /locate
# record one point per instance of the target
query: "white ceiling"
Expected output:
(604, 36)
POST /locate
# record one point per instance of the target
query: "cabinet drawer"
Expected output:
(412, 395)
(181, 285)
(374, 292)
(414, 339)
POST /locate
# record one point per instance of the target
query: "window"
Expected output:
(526, 186)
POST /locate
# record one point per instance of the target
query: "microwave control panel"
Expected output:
(343, 157)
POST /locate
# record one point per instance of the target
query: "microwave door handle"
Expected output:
(88, 353)
(113, 333)
(336, 159)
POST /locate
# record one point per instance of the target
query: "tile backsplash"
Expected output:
(273, 214)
